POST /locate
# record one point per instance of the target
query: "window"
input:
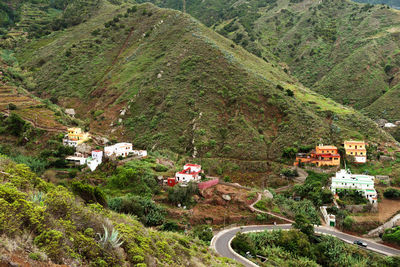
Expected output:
(351, 153)
(356, 147)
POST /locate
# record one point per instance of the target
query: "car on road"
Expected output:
(360, 243)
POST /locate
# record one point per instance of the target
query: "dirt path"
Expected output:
(252, 208)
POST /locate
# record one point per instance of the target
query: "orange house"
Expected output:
(321, 156)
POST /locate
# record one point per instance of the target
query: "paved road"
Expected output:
(221, 241)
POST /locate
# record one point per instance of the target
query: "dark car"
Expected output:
(360, 243)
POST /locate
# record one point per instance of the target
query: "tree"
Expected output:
(203, 232)
(243, 244)
(16, 125)
(304, 225)
(289, 152)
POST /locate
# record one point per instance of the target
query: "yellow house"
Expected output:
(75, 137)
(357, 149)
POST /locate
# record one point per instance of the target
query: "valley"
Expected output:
(132, 134)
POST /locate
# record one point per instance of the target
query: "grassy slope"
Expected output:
(338, 48)
(183, 87)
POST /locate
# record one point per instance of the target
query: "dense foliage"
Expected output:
(392, 235)
(392, 193)
(149, 213)
(315, 188)
(294, 248)
(68, 232)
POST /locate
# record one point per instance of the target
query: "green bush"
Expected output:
(243, 244)
(392, 235)
(60, 202)
(148, 212)
(391, 193)
(203, 232)
(51, 242)
(35, 256)
(169, 226)
(90, 194)
(182, 194)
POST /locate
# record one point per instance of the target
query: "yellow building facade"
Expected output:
(75, 137)
(357, 149)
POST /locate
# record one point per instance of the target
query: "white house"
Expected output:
(95, 160)
(77, 158)
(344, 179)
(190, 172)
(140, 153)
(118, 150)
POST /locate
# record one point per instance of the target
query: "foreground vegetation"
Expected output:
(296, 248)
(65, 230)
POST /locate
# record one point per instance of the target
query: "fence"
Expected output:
(205, 185)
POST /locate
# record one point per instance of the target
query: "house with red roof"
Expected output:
(320, 156)
(190, 172)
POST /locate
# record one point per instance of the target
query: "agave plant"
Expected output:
(39, 198)
(111, 239)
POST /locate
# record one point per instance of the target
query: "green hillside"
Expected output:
(341, 49)
(163, 80)
(42, 224)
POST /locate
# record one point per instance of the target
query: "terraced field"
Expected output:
(29, 109)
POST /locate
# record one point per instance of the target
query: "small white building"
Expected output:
(95, 160)
(190, 172)
(118, 150)
(344, 179)
(140, 153)
(77, 158)
(390, 125)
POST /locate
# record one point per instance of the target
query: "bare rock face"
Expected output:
(84, 149)
(226, 197)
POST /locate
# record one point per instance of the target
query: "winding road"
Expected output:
(221, 242)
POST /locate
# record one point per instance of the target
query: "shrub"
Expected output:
(289, 152)
(392, 193)
(60, 202)
(243, 244)
(182, 195)
(148, 212)
(290, 173)
(392, 235)
(35, 256)
(12, 106)
(90, 194)
(169, 226)
(51, 242)
(203, 232)
(348, 222)
(16, 125)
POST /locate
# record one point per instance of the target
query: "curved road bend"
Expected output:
(221, 241)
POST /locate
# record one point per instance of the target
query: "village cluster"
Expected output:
(324, 155)
(76, 137)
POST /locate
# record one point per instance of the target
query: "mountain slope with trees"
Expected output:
(344, 50)
(163, 80)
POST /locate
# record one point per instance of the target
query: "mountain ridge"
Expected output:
(235, 104)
